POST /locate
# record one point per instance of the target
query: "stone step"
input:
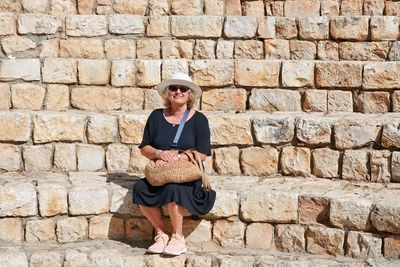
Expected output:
(291, 214)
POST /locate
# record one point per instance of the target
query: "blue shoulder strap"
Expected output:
(180, 129)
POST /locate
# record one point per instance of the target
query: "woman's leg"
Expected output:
(176, 214)
(154, 216)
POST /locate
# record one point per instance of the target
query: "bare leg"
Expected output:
(154, 216)
(176, 214)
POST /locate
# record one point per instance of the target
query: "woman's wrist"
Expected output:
(158, 152)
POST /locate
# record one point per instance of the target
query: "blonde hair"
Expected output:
(190, 103)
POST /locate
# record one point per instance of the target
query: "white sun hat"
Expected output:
(179, 78)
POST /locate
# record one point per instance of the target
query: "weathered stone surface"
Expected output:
(384, 28)
(90, 157)
(253, 8)
(10, 157)
(131, 127)
(296, 161)
(52, 199)
(85, 199)
(15, 44)
(204, 49)
(7, 24)
(355, 165)
(123, 72)
(350, 28)
(353, 134)
(285, 28)
(257, 73)
(392, 8)
(86, 25)
(216, 100)
(38, 158)
(322, 240)
(396, 101)
(71, 229)
(11, 230)
(381, 75)
(315, 101)
(131, 6)
(307, 8)
(395, 166)
(196, 26)
(27, 96)
(230, 129)
(340, 101)
(148, 49)
(233, 8)
(49, 48)
(374, 7)
(117, 157)
(327, 50)
(374, 51)
(120, 49)
(212, 72)
(59, 70)
(240, 27)
(16, 126)
(62, 8)
(297, 74)
(351, 7)
(38, 24)
(13, 259)
(350, 213)
(214, 7)
(259, 235)
(269, 206)
(18, 199)
(149, 72)
(385, 216)
(325, 162)
(25, 69)
(226, 161)
(158, 26)
(137, 161)
(196, 231)
(96, 98)
(85, 7)
(5, 96)
(138, 229)
(302, 50)
(82, 48)
(94, 71)
(224, 49)
(276, 49)
(274, 130)
(65, 157)
(40, 230)
(182, 7)
(379, 162)
(392, 246)
(290, 238)
(363, 245)
(314, 28)
(106, 226)
(313, 210)
(132, 98)
(338, 74)
(394, 52)
(266, 27)
(229, 233)
(315, 131)
(172, 49)
(226, 204)
(102, 129)
(391, 134)
(171, 66)
(57, 97)
(44, 259)
(49, 127)
(259, 161)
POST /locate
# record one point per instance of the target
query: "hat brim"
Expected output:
(164, 84)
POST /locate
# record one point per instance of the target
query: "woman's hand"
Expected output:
(167, 156)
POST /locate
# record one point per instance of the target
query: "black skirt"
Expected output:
(190, 195)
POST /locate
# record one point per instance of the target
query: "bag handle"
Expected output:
(196, 160)
(180, 129)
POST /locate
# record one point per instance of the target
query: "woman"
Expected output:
(179, 94)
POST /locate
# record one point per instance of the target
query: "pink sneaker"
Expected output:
(161, 242)
(176, 245)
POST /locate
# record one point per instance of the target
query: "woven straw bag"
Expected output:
(181, 171)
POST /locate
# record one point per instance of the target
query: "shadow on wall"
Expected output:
(126, 223)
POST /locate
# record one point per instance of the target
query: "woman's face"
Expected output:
(178, 94)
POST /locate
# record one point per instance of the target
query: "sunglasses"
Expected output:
(174, 88)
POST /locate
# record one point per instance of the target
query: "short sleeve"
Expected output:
(203, 143)
(146, 140)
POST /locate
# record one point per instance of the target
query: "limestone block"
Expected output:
(131, 6)
(13, 259)
(197, 232)
(171, 66)
(196, 26)
(350, 213)
(87, 25)
(322, 240)
(7, 24)
(297, 74)
(57, 97)
(52, 199)
(5, 96)
(18, 199)
(392, 8)
(229, 233)
(60, 70)
(102, 128)
(351, 7)
(88, 199)
(152, 100)
(216, 99)
(251, 49)
(253, 8)
(123, 72)
(315, 101)
(302, 50)
(46, 259)
(226, 161)
(353, 134)
(351, 28)
(327, 50)
(96, 98)
(230, 129)
(38, 158)
(71, 229)
(214, 7)
(137, 162)
(394, 52)
(285, 28)
(240, 27)
(82, 48)
(396, 101)
(158, 26)
(338, 74)
(138, 229)
(392, 246)
(40, 230)
(250, 72)
(10, 157)
(314, 28)
(104, 10)
(90, 157)
(177, 49)
(10, 6)
(325, 162)
(131, 127)
(16, 126)
(117, 157)
(395, 165)
(148, 72)
(106, 226)
(313, 210)
(182, 7)
(53, 127)
(314, 131)
(75, 257)
(384, 28)
(276, 49)
(11, 230)
(27, 96)
(259, 236)
(274, 130)
(385, 216)
(212, 72)
(35, 6)
(224, 49)
(38, 24)
(266, 28)
(15, 44)
(226, 204)
(120, 49)
(25, 69)
(158, 7)
(62, 8)
(355, 165)
(296, 161)
(85, 7)
(233, 8)
(275, 100)
(65, 157)
(197, 261)
(391, 134)
(94, 71)
(204, 49)
(383, 75)
(307, 8)
(148, 49)
(340, 101)
(363, 245)
(373, 102)
(290, 238)
(374, 51)
(121, 202)
(259, 161)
